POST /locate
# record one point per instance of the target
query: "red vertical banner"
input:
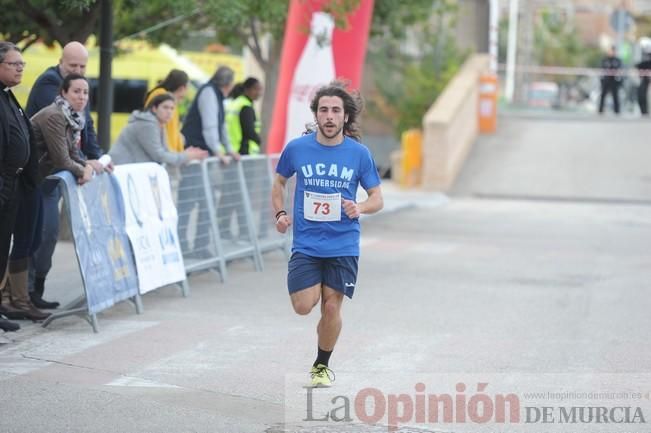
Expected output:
(314, 53)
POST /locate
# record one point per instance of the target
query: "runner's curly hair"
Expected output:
(353, 105)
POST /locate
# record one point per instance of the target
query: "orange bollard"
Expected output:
(487, 109)
(412, 157)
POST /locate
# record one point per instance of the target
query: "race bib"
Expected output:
(321, 207)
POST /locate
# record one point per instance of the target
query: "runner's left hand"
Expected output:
(351, 209)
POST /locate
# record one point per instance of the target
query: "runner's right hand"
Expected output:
(283, 223)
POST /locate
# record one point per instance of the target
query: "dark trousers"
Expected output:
(42, 257)
(8, 213)
(27, 228)
(642, 92)
(609, 86)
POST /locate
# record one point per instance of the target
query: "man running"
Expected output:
(329, 165)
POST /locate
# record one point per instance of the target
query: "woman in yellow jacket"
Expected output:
(175, 83)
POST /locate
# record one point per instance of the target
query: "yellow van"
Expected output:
(137, 68)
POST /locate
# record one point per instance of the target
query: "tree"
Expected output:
(556, 43)
(414, 58)
(62, 21)
(254, 24)
(165, 21)
(14, 27)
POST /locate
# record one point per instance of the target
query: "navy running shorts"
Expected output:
(339, 273)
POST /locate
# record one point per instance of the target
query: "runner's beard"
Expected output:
(321, 128)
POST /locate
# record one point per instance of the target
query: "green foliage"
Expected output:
(556, 43)
(340, 9)
(643, 25)
(158, 21)
(392, 21)
(14, 29)
(410, 80)
(237, 22)
(51, 21)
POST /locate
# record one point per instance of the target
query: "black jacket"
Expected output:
(612, 65)
(8, 176)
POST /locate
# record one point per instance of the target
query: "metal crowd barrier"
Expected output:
(225, 212)
(195, 229)
(258, 175)
(106, 262)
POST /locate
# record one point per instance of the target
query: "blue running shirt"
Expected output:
(324, 169)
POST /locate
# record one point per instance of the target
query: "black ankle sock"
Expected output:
(322, 357)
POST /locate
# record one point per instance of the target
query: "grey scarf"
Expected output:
(75, 120)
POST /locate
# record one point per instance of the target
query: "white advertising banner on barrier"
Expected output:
(151, 221)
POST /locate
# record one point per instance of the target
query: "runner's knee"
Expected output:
(331, 308)
(302, 306)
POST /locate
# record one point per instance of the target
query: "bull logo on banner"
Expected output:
(151, 224)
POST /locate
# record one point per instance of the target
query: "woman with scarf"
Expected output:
(58, 127)
(57, 134)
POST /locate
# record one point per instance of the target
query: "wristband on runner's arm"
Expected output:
(279, 214)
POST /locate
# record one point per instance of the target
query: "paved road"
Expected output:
(585, 159)
(448, 291)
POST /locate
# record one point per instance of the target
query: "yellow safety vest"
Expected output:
(234, 128)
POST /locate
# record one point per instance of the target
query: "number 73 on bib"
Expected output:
(321, 207)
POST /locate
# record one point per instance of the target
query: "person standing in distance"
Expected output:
(610, 80)
(644, 67)
(243, 131)
(329, 164)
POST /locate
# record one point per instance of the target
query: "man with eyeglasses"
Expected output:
(18, 159)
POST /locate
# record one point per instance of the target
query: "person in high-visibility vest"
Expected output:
(241, 121)
(243, 132)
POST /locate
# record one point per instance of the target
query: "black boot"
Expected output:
(37, 296)
(8, 326)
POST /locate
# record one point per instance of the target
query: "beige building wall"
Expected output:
(450, 126)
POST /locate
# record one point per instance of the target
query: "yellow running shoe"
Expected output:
(322, 376)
